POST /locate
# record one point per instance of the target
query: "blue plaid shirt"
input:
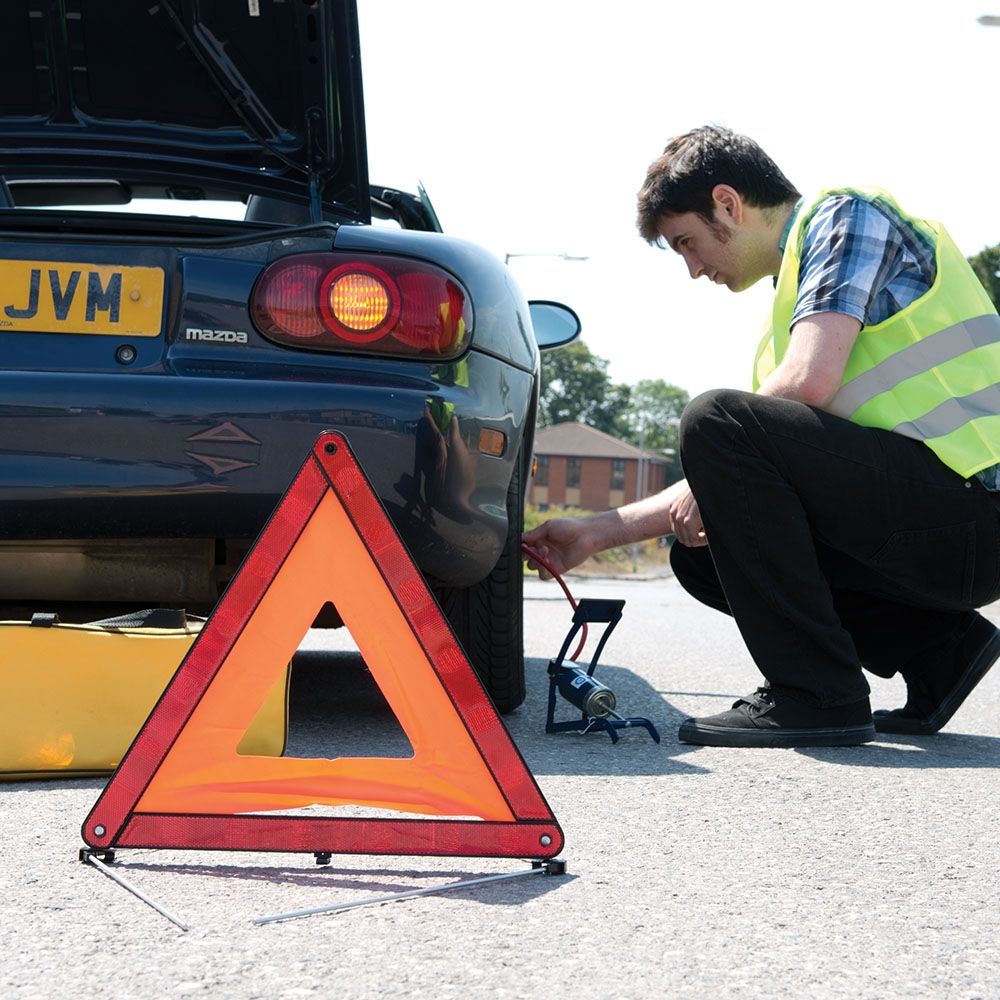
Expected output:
(860, 259)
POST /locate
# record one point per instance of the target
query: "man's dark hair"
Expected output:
(682, 179)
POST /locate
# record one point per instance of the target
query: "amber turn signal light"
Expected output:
(492, 442)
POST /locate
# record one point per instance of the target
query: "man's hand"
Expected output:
(684, 515)
(563, 543)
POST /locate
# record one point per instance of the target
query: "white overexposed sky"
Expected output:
(532, 124)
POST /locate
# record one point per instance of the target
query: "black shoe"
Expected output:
(932, 698)
(768, 718)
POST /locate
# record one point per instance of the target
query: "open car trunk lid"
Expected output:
(213, 99)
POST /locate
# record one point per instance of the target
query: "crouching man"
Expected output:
(845, 513)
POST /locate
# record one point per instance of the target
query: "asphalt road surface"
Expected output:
(855, 873)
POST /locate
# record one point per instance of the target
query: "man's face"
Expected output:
(717, 251)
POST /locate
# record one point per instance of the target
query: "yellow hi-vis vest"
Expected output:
(930, 372)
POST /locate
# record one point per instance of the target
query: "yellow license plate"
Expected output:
(44, 296)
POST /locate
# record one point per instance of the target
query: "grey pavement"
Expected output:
(865, 872)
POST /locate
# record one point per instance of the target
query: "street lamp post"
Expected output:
(640, 483)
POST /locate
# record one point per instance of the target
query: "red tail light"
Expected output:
(389, 306)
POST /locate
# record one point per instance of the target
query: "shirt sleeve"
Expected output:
(850, 254)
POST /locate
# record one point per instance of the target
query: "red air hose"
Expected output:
(533, 555)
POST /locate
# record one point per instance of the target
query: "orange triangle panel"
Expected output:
(183, 784)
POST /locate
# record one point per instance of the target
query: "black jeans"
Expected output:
(834, 546)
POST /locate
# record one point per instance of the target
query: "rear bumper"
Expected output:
(167, 456)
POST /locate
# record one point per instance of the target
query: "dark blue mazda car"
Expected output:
(162, 377)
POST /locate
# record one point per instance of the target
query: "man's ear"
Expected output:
(728, 203)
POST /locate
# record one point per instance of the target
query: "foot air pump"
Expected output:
(595, 700)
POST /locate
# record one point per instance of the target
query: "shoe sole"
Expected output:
(889, 722)
(724, 736)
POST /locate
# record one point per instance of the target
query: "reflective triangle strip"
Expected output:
(321, 834)
(183, 784)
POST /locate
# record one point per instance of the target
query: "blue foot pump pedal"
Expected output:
(595, 700)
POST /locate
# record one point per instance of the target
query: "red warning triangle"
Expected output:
(183, 784)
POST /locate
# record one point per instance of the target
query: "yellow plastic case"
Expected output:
(73, 697)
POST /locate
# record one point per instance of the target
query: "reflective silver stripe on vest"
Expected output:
(952, 414)
(946, 344)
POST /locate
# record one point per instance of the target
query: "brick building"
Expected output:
(578, 466)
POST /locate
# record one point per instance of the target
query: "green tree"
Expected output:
(576, 387)
(986, 264)
(654, 418)
(612, 414)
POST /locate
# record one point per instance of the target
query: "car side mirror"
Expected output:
(554, 324)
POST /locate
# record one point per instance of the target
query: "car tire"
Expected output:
(488, 618)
